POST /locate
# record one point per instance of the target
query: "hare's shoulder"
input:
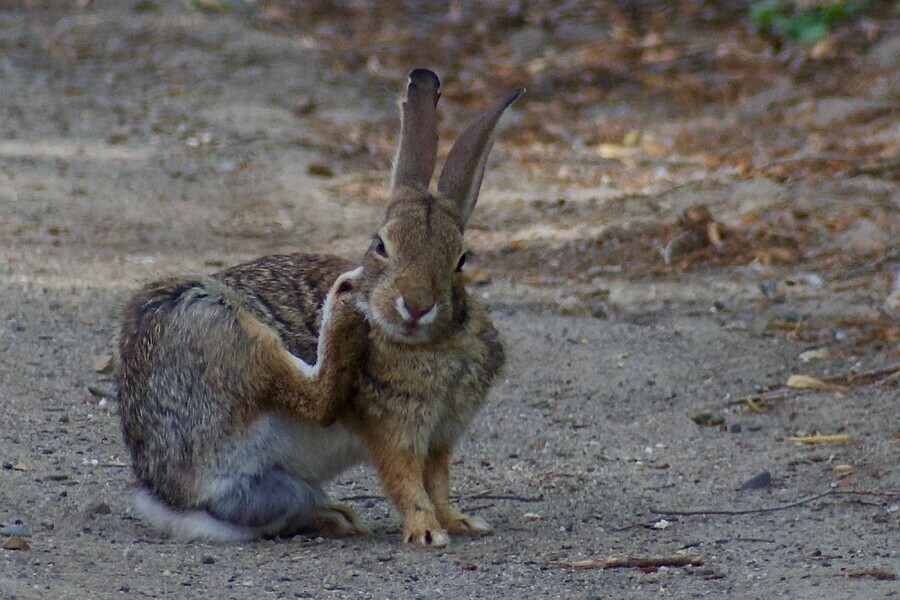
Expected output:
(286, 292)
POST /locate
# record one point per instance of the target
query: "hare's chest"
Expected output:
(420, 393)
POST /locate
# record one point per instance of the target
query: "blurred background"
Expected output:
(734, 154)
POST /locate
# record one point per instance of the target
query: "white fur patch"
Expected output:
(310, 371)
(426, 319)
(429, 317)
(188, 525)
(401, 308)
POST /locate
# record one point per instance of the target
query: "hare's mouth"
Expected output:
(406, 332)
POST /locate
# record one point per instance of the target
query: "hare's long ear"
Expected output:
(461, 177)
(414, 162)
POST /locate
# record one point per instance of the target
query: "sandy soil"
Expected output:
(134, 145)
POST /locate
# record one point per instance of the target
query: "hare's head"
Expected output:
(412, 289)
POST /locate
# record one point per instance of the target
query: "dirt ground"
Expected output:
(139, 143)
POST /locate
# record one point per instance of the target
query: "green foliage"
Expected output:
(224, 6)
(146, 6)
(807, 23)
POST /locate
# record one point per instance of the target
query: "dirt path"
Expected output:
(138, 144)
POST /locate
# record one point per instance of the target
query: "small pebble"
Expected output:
(207, 560)
(225, 166)
(571, 306)
(384, 557)
(758, 482)
(599, 310)
(98, 508)
(15, 542)
(15, 529)
(317, 169)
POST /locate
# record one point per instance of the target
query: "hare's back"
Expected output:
(286, 292)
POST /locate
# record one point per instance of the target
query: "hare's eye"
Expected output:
(380, 250)
(462, 261)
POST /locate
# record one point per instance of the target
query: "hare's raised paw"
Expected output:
(459, 523)
(337, 520)
(346, 282)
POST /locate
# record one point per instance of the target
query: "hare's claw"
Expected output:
(427, 538)
(456, 522)
(337, 520)
(423, 529)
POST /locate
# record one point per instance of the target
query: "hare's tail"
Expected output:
(188, 525)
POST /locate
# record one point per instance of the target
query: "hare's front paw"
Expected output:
(425, 532)
(456, 522)
(346, 282)
(337, 520)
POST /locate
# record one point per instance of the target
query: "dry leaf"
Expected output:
(821, 439)
(805, 382)
(814, 354)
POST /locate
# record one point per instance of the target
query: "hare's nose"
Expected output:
(411, 311)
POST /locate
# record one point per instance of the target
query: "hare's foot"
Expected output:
(455, 521)
(337, 520)
(424, 530)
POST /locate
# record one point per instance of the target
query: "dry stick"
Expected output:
(511, 497)
(749, 511)
(781, 391)
(363, 497)
(479, 496)
(864, 378)
(637, 562)
(776, 394)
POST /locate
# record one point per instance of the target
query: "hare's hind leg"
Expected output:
(337, 520)
(277, 503)
(437, 484)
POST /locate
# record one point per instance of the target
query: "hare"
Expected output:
(243, 392)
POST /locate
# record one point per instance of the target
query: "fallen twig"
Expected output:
(781, 390)
(510, 497)
(876, 376)
(750, 511)
(637, 562)
(362, 497)
(752, 399)
(873, 573)
(478, 496)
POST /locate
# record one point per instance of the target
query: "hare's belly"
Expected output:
(316, 454)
